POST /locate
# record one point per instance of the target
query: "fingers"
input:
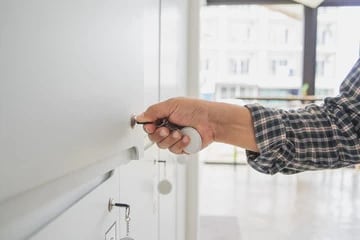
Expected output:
(165, 139)
(172, 139)
(159, 134)
(149, 128)
(178, 148)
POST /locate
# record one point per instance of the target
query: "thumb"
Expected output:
(155, 112)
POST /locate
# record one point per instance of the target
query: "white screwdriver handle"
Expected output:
(195, 140)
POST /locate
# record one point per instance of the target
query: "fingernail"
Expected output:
(186, 139)
(176, 134)
(163, 133)
(140, 116)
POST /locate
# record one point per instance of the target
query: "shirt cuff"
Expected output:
(275, 150)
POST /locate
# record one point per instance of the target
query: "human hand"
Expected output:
(183, 112)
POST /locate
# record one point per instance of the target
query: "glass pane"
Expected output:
(338, 47)
(249, 51)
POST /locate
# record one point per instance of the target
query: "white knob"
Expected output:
(195, 140)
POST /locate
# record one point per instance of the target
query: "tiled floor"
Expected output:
(323, 205)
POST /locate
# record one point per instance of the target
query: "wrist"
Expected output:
(233, 124)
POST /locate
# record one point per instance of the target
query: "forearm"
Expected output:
(233, 125)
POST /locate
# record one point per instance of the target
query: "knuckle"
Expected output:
(175, 149)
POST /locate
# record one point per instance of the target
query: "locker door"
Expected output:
(173, 56)
(137, 184)
(71, 76)
(89, 218)
(138, 179)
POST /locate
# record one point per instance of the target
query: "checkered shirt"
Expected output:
(311, 138)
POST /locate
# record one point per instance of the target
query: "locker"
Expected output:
(89, 218)
(71, 76)
(72, 73)
(173, 78)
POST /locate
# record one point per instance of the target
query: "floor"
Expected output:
(237, 203)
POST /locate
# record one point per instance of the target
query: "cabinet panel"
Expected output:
(151, 52)
(138, 181)
(89, 218)
(173, 74)
(173, 50)
(71, 75)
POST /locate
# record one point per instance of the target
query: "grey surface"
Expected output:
(322, 205)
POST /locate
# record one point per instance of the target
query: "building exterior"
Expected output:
(252, 50)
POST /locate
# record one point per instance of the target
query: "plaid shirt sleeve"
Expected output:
(311, 138)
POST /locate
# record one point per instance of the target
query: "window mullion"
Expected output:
(309, 57)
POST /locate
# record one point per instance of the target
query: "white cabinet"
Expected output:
(72, 73)
(89, 218)
(138, 181)
(71, 76)
(173, 74)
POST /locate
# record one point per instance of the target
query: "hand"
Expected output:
(183, 112)
(220, 122)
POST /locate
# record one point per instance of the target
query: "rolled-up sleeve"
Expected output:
(310, 138)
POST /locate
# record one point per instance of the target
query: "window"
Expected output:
(223, 92)
(326, 34)
(279, 34)
(232, 92)
(320, 68)
(282, 67)
(239, 66)
(206, 64)
(240, 31)
(338, 47)
(250, 51)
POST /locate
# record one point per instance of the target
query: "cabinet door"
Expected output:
(138, 181)
(89, 218)
(173, 72)
(151, 52)
(71, 76)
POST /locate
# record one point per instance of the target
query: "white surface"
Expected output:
(89, 218)
(151, 52)
(138, 179)
(173, 78)
(70, 78)
(46, 202)
(111, 233)
(67, 100)
(137, 183)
